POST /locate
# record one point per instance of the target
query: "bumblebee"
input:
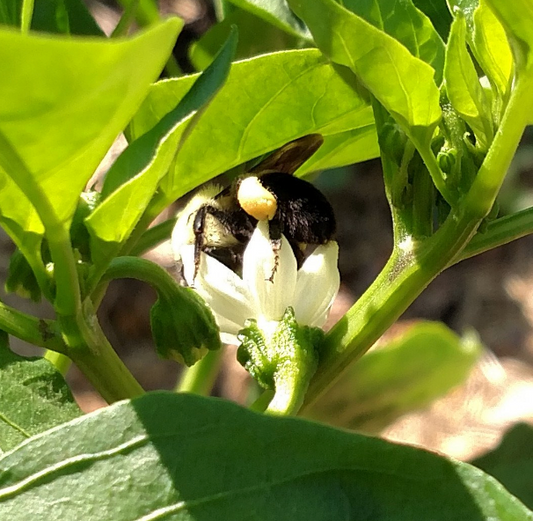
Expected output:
(220, 221)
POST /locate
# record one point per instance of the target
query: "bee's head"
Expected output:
(255, 199)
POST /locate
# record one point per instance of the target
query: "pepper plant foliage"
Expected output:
(441, 92)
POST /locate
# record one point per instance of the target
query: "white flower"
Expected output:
(309, 290)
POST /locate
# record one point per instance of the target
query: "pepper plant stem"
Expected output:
(414, 264)
(199, 378)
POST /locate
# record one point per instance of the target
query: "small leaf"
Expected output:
(276, 12)
(243, 121)
(408, 25)
(402, 376)
(33, 397)
(186, 457)
(462, 85)
(492, 48)
(388, 70)
(517, 18)
(512, 462)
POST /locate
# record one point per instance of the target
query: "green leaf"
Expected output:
(275, 12)
(10, 11)
(134, 177)
(517, 18)
(266, 102)
(407, 24)
(256, 36)
(393, 75)
(401, 376)
(187, 457)
(343, 148)
(64, 102)
(438, 13)
(462, 85)
(491, 48)
(512, 462)
(64, 16)
(33, 397)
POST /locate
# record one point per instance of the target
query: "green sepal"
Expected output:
(183, 327)
(283, 360)
(20, 278)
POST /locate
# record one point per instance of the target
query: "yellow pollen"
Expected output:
(256, 200)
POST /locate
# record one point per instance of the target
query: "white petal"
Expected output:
(271, 297)
(222, 290)
(317, 285)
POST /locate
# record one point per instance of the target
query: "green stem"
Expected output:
(140, 269)
(26, 16)
(67, 301)
(500, 232)
(199, 378)
(38, 332)
(414, 264)
(61, 362)
(261, 404)
(288, 396)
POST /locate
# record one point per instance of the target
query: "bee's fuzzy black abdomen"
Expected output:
(304, 213)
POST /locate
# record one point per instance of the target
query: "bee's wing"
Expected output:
(290, 156)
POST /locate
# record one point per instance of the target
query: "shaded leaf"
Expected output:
(187, 457)
(401, 376)
(512, 462)
(256, 36)
(33, 397)
(438, 13)
(276, 12)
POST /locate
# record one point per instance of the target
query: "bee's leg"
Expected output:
(274, 232)
(199, 240)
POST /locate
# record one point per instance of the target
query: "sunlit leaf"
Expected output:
(244, 121)
(462, 84)
(492, 48)
(132, 180)
(407, 24)
(397, 79)
(64, 102)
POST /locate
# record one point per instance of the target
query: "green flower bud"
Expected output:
(392, 140)
(447, 159)
(183, 327)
